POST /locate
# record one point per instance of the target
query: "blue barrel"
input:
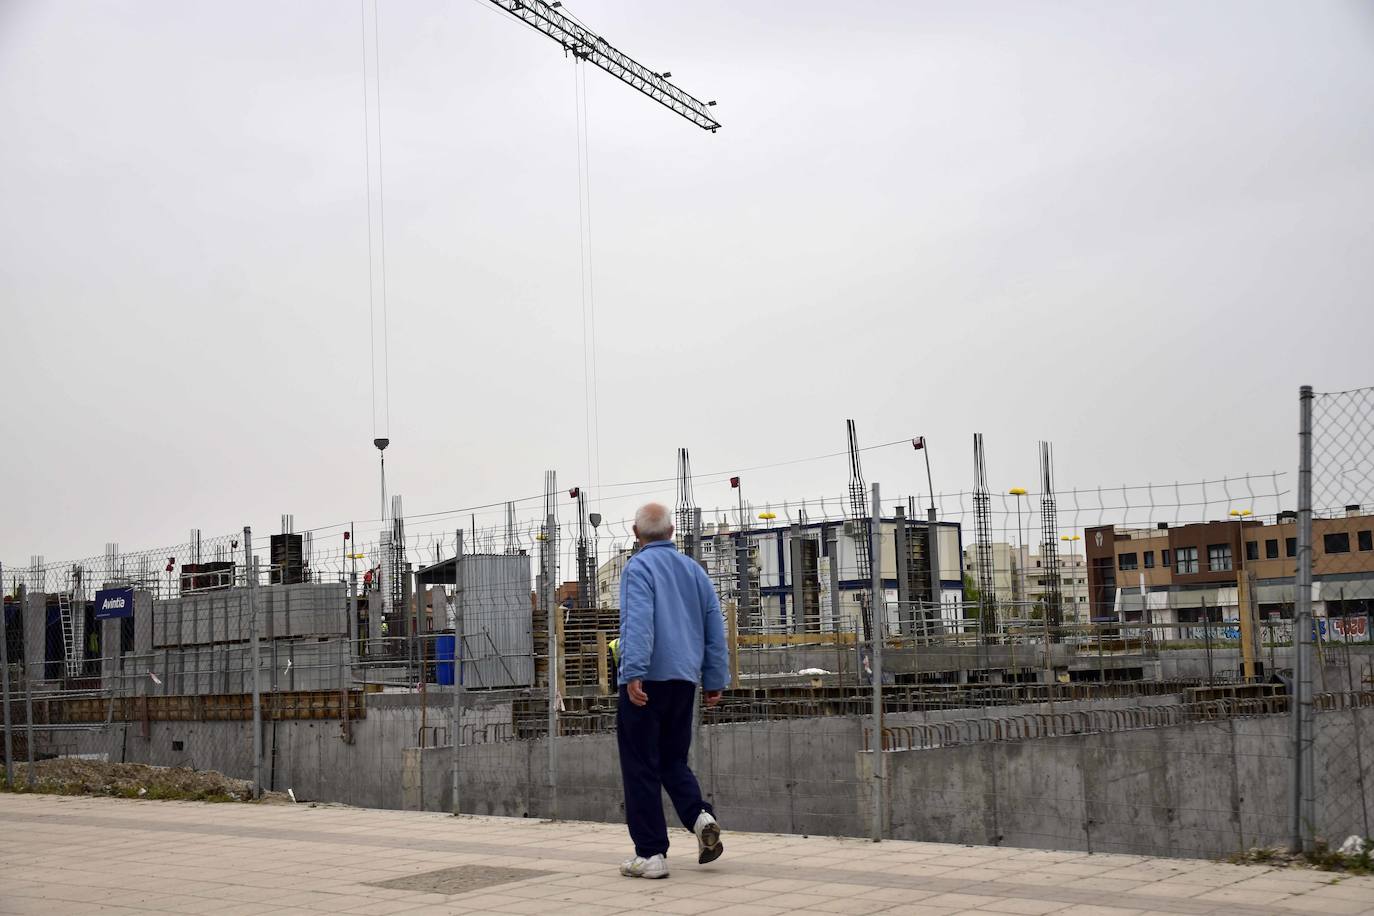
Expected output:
(443, 653)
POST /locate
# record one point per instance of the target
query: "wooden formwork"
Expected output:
(222, 707)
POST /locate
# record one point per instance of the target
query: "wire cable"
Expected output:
(591, 291)
(381, 215)
(582, 276)
(367, 175)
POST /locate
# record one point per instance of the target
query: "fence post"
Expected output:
(5, 677)
(879, 616)
(458, 627)
(551, 617)
(32, 775)
(1301, 699)
(250, 563)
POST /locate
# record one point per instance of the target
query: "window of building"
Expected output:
(1186, 560)
(1149, 559)
(1252, 550)
(1290, 546)
(1366, 539)
(1126, 561)
(1271, 549)
(1164, 558)
(1219, 557)
(1337, 542)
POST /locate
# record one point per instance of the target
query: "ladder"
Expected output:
(73, 633)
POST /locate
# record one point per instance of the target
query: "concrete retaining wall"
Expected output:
(1204, 789)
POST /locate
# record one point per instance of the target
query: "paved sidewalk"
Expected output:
(94, 855)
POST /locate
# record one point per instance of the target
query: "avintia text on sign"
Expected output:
(114, 602)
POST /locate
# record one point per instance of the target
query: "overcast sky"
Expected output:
(1131, 229)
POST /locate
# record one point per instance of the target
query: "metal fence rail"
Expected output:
(415, 663)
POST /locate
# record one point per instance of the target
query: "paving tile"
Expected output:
(961, 901)
(783, 885)
(854, 906)
(1236, 895)
(838, 889)
(752, 909)
(1309, 904)
(1348, 889)
(1173, 889)
(383, 907)
(685, 906)
(1024, 907)
(1099, 883)
(738, 895)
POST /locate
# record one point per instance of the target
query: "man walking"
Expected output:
(671, 640)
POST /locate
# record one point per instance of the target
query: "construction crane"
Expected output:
(583, 43)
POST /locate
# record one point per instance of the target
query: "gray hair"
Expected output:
(653, 522)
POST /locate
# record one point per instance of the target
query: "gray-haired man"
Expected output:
(672, 639)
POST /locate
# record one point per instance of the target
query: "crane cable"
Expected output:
(381, 212)
(591, 401)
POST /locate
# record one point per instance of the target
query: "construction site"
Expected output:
(398, 674)
(1179, 669)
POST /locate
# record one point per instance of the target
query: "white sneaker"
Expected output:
(709, 846)
(640, 867)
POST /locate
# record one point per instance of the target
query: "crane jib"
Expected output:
(588, 46)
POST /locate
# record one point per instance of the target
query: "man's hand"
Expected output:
(635, 690)
(713, 697)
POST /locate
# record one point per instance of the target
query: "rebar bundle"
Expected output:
(982, 518)
(1049, 548)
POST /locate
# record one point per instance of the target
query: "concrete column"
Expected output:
(374, 623)
(35, 613)
(934, 616)
(832, 540)
(111, 657)
(143, 642)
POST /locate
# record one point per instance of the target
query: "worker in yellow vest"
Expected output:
(614, 647)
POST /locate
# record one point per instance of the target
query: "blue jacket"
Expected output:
(670, 621)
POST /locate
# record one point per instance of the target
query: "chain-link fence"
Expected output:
(1333, 788)
(1090, 669)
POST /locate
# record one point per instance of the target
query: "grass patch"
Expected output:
(1322, 858)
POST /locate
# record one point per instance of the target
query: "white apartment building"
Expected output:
(1021, 579)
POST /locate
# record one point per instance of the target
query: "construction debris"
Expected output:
(70, 776)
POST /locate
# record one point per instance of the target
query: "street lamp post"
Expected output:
(933, 614)
(1020, 493)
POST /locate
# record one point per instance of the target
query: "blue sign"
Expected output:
(114, 602)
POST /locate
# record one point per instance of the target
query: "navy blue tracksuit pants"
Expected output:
(654, 741)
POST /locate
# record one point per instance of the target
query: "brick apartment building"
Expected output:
(1171, 574)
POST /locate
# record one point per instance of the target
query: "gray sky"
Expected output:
(1132, 229)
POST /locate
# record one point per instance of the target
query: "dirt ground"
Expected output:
(66, 776)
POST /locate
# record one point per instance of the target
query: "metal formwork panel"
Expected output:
(205, 670)
(162, 612)
(498, 642)
(318, 609)
(234, 660)
(198, 619)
